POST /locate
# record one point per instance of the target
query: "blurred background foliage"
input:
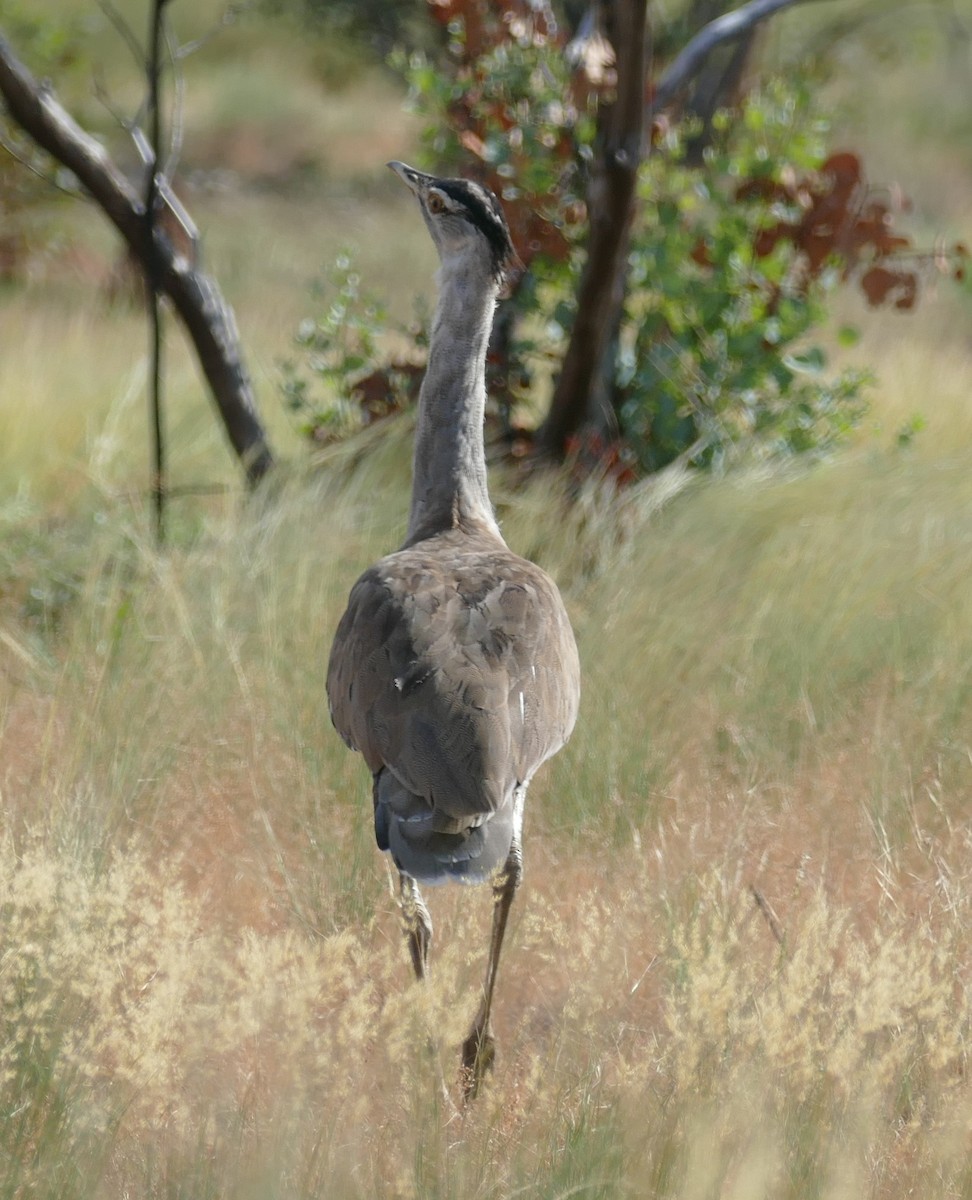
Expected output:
(747, 225)
(737, 339)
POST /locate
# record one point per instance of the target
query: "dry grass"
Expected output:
(153, 1048)
(205, 991)
(740, 964)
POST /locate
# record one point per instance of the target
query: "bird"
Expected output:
(454, 670)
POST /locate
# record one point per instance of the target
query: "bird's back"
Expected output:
(454, 672)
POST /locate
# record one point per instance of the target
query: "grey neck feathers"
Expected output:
(449, 486)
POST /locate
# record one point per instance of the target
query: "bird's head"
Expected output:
(461, 216)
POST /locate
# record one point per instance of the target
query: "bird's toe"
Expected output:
(478, 1056)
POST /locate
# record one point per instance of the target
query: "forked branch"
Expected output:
(727, 28)
(207, 317)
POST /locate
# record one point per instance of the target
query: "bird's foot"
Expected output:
(478, 1056)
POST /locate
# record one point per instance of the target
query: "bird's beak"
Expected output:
(412, 179)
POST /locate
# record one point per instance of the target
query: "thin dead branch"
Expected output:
(207, 317)
(48, 180)
(764, 906)
(727, 28)
(152, 261)
(124, 31)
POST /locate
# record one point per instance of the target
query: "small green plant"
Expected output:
(345, 350)
(718, 349)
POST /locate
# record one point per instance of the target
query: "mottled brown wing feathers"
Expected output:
(455, 668)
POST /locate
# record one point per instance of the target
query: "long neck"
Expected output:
(449, 470)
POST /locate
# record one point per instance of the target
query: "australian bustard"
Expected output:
(454, 670)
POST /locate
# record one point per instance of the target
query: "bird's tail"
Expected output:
(433, 847)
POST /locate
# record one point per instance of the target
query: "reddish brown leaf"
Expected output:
(908, 289)
(843, 182)
(817, 248)
(877, 282)
(473, 143)
(766, 240)
(879, 285)
(843, 166)
(378, 394)
(533, 234)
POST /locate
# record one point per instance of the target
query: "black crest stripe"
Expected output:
(485, 212)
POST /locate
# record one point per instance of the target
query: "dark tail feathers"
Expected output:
(433, 847)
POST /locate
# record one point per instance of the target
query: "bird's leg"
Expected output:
(416, 923)
(479, 1048)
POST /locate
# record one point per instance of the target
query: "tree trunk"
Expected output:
(207, 317)
(611, 203)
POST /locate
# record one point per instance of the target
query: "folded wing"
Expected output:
(456, 672)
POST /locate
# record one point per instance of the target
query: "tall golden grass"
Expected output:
(739, 966)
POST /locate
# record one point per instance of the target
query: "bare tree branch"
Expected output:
(124, 31)
(153, 262)
(177, 120)
(207, 317)
(178, 214)
(103, 97)
(9, 148)
(723, 29)
(230, 14)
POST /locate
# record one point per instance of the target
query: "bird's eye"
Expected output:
(435, 204)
